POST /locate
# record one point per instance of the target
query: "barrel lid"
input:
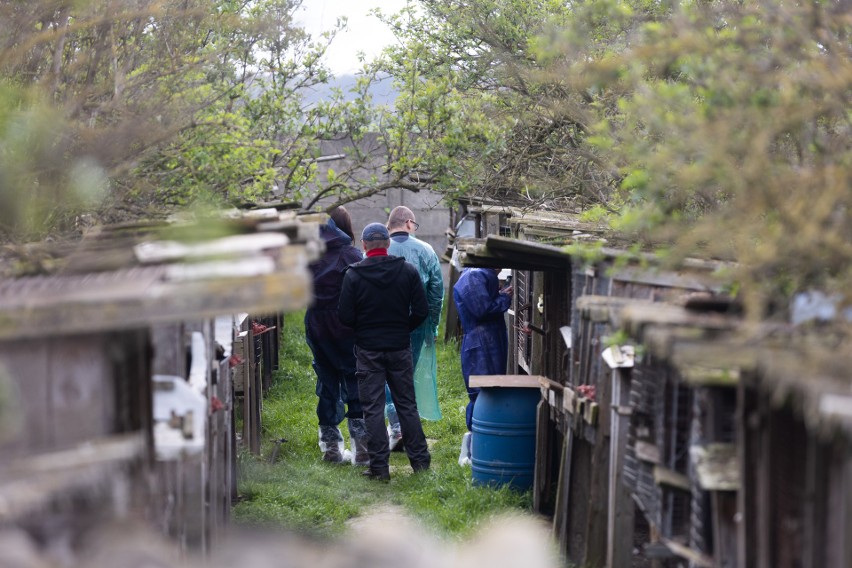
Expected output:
(524, 381)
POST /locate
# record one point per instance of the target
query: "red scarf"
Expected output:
(377, 252)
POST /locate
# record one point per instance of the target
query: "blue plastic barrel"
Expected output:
(503, 439)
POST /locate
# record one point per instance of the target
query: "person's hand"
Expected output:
(508, 290)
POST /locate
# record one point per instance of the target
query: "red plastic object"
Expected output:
(587, 391)
(216, 404)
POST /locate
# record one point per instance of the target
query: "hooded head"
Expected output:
(343, 221)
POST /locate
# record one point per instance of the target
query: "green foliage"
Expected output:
(251, 133)
(303, 493)
(42, 181)
(732, 136)
(589, 252)
(594, 214)
(714, 129)
(620, 337)
(155, 106)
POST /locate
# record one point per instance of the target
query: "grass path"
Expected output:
(301, 492)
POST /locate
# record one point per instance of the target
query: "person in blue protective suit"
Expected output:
(402, 226)
(332, 345)
(485, 345)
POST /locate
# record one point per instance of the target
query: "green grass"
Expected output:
(300, 492)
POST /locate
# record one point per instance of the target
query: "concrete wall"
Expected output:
(432, 214)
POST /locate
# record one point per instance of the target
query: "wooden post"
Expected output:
(747, 454)
(548, 422)
(251, 385)
(254, 395)
(563, 492)
(764, 508)
(844, 519)
(621, 509)
(598, 483)
(542, 458)
(452, 327)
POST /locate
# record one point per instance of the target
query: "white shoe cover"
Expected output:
(464, 454)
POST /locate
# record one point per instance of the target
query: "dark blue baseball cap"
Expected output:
(375, 232)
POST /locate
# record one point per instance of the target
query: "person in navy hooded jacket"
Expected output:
(332, 343)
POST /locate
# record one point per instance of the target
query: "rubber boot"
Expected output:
(395, 441)
(394, 429)
(464, 454)
(358, 439)
(331, 444)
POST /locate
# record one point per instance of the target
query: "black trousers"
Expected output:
(374, 369)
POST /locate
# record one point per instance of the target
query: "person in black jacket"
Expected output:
(382, 299)
(332, 345)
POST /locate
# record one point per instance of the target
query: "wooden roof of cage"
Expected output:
(128, 276)
(808, 367)
(504, 252)
(546, 240)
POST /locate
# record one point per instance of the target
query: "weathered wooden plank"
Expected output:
(98, 451)
(660, 338)
(646, 451)
(522, 381)
(665, 476)
(234, 245)
(507, 252)
(603, 308)
(81, 389)
(637, 315)
(32, 483)
(716, 466)
(590, 411)
(725, 527)
(27, 422)
(569, 400)
(598, 414)
(550, 384)
(498, 243)
(709, 376)
(169, 349)
(685, 279)
(144, 300)
(695, 557)
(731, 356)
(553, 220)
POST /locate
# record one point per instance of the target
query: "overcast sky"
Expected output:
(365, 33)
